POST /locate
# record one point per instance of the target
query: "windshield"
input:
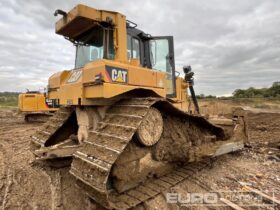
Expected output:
(86, 54)
(97, 44)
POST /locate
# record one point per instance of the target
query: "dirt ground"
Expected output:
(25, 184)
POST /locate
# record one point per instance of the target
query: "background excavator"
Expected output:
(123, 116)
(35, 106)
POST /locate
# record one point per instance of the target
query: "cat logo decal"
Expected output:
(115, 74)
(74, 76)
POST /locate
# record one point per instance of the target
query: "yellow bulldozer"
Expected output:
(123, 116)
(35, 106)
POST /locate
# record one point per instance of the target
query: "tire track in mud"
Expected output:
(27, 185)
(6, 176)
(54, 180)
(9, 182)
(2, 177)
(17, 176)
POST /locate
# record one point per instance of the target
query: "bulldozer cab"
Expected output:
(100, 34)
(155, 53)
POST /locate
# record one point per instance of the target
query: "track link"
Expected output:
(147, 190)
(93, 162)
(43, 134)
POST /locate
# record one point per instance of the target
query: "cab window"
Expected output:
(97, 44)
(159, 55)
(160, 58)
(133, 48)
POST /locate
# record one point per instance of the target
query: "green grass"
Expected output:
(8, 99)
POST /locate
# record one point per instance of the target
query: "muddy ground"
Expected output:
(25, 184)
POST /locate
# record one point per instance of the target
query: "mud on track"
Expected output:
(28, 185)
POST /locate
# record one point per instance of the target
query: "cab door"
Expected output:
(161, 56)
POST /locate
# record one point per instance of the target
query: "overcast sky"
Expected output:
(230, 44)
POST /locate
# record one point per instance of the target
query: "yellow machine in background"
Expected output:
(124, 112)
(35, 106)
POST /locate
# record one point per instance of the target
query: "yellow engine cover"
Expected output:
(33, 102)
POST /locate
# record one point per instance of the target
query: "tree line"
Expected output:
(271, 92)
(8, 98)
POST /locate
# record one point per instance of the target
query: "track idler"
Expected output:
(151, 127)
